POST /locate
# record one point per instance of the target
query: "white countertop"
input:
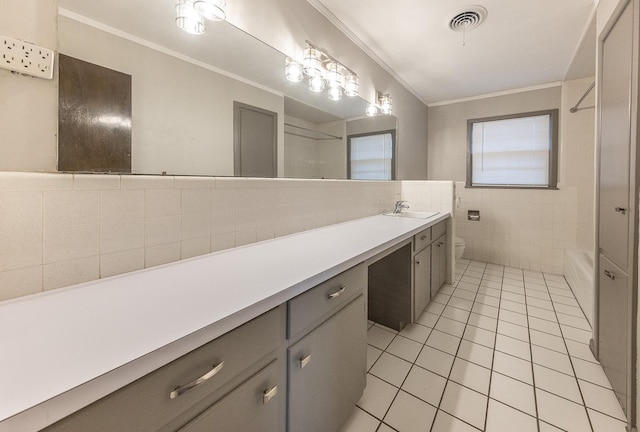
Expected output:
(64, 349)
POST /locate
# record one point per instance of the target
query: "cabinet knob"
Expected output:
(305, 360)
(185, 388)
(621, 210)
(269, 394)
(417, 262)
(610, 275)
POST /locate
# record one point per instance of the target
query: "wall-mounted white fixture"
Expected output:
(322, 71)
(382, 105)
(190, 14)
(26, 58)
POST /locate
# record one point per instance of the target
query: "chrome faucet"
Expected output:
(399, 206)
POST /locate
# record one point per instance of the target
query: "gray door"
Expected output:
(615, 139)
(614, 332)
(255, 141)
(615, 295)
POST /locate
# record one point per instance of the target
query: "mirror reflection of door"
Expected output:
(255, 141)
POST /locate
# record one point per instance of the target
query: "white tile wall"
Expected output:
(528, 229)
(62, 229)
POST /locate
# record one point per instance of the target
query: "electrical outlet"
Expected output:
(26, 58)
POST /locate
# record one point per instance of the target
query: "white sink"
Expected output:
(413, 214)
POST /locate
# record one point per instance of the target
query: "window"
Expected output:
(371, 156)
(517, 151)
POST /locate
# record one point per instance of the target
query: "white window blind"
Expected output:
(372, 157)
(512, 152)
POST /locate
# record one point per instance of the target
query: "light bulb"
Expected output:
(335, 93)
(351, 86)
(372, 110)
(211, 9)
(188, 19)
(335, 78)
(316, 83)
(312, 64)
(293, 70)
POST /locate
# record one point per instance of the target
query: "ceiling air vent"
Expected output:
(467, 18)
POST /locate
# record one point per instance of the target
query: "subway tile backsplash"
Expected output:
(62, 229)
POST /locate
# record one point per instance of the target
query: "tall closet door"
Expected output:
(615, 139)
(615, 295)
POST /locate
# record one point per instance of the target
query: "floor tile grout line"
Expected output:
(493, 359)
(455, 356)
(584, 402)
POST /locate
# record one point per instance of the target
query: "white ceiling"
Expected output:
(522, 43)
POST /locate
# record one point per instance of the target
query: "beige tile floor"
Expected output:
(501, 350)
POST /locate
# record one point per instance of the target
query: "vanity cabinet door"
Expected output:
(252, 406)
(438, 264)
(327, 371)
(421, 280)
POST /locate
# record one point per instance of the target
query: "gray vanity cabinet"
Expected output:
(421, 272)
(229, 368)
(327, 359)
(438, 256)
(253, 406)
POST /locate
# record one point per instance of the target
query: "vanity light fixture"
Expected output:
(293, 71)
(323, 72)
(383, 105)
(212, 10)
(188, 19)
(190, 14)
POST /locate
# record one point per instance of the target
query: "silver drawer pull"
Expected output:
(185, 388)
(305, 360)
(417, 262)
(610, 275)
(621, 210)
(337, 293)
(423, 237)
(269, 394)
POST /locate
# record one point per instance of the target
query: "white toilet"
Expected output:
(460, 244)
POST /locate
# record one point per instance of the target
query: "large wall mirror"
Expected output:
(183, 90)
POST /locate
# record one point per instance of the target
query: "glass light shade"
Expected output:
(211, 9)
(188, 19)
(351, 86)
(371, 110)
(335, 93)
(311, 62)
(316, 83)
(385, 104)
(293, 70)
(335, 77)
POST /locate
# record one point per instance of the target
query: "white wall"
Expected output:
(577, 154)
(530, 229)
(29, 106)
(314, 156)
(183, 114)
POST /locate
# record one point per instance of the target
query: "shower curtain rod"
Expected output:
(575, 108)
(329, 136)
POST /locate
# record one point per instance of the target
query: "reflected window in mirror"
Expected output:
(371, 156)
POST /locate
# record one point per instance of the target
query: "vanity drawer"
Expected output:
(325, 298)
(253, 406)
(147, 404)
(438, 229)
(421, 240)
